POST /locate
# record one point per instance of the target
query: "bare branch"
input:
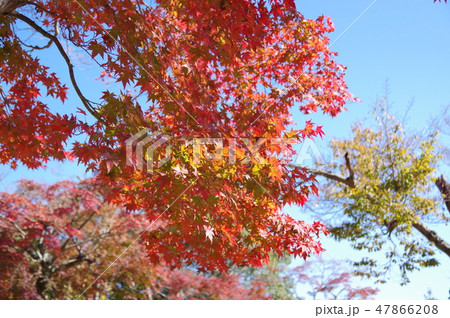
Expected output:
(63, 246)
(70, 263)
(36, 47)
(349, 181)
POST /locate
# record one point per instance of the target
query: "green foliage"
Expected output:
(394, 173)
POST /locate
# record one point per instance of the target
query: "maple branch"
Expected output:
(22, 232)
(40, 8)
(63, 246)
(35, 47)
(86, 221)
(9, 6)
(444, 188)
(54, 39)
(79, 259)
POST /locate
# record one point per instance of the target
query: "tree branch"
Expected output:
(444, 188)
(432, 237)
(70, 263)
(54, 39)
(63, 246)
(349, 181)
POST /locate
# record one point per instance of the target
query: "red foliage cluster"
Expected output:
(224, 69)
(56, 240)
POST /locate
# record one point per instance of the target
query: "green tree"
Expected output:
(389, 195)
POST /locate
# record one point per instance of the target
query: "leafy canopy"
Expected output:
(394, 172)
(56, 240)
(211, 68)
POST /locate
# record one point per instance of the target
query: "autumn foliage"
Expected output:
(204, 69)
(56, 240)
(62, 241)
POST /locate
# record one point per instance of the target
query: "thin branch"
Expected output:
(54, 39)
(73, 262)
(63, 246)
(40, 8)
(35, 47)
(86, 221)
(9, 6)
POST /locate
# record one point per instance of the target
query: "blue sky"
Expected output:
(404, 41)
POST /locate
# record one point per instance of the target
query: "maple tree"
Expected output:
(384, 193)
(213, 68)
(55, 240)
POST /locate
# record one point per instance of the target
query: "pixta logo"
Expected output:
(135, 146)
(141, 149)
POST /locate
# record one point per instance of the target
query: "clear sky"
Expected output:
(407, 43)
(404, 41)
